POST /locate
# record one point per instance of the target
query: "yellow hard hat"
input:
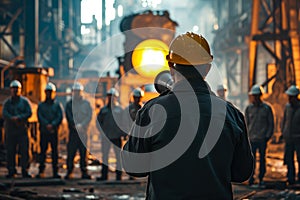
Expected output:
(189, 49)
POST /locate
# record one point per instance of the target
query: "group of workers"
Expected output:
(260, 122)
(259, 117)
(203, 156)
(78, 112)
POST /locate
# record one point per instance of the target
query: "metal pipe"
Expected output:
(36, 33)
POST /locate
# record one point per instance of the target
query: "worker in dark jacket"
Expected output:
(111, 134)
(190, 143)
(260, 122)
(79, 115)
(16, 111)
(50, 117)
(131, 110)
(291, 133)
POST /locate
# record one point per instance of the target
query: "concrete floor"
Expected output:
(77, 188)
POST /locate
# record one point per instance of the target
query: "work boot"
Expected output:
(118, 176)
(10, 175)
(56, 175)
(251, 181)
(69, 175)
(85, 176)
(291, 182)
(262, 184)
(40, 175)
(26, 175)
(102, 178)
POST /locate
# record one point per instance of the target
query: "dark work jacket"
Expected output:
(78, 112)
(291, 123)
(109, 120)
(129, 115)
(49, 112)
(19, 107)
(260, 122)
(189, 176)
(133, 109)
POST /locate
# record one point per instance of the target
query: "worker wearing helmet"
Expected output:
(133, 107)
(50, 116)
(221, 91)
(260, 122)
(131, 110)
(291, 132)
(111, 133)
(16, 112)
(189, 175)
(78, 114)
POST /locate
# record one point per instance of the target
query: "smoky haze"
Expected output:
(191, 15)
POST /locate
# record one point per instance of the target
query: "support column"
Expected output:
(31, 53)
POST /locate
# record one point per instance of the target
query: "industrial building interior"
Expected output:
(252, 41)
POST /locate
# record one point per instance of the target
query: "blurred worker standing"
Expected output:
(111, 133)
(16, 111)
(131, 110)
(79, 115)
(291, 133)
(195, 172)
(50, 117)
(260, 122)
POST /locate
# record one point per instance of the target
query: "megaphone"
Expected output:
(163, 82)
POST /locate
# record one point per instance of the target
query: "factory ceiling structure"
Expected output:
(255, 42)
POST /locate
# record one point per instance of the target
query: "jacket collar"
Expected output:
(49, 101)
(15, 99)
(198, 85)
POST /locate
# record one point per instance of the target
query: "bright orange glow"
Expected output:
(149, 58)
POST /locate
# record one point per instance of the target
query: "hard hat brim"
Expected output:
(254, 93)
(291, 93)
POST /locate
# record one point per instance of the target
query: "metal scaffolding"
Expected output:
(43, 32)
(259, 44)
(275, 26)
(230, 48)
